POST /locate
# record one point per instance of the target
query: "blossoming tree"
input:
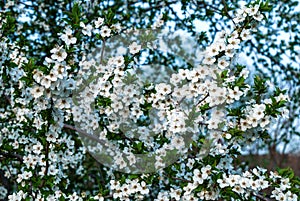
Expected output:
(83, 117)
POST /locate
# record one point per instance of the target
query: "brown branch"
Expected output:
(180, 179)
(47, 165)
(7, 99)
(226, 11)
(82, 132)
(185, 180)
(261, 197)
(200, 101)
(12, 155)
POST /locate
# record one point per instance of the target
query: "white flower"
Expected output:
(73, 197)
(238, 19)
(262, 183)
(37, 148)
(264, 121)
(233, 43)
(131, 159)
(52, 76)
(87, 30)
(213, 50)
(163, 88)
(178, 142)
(222, 63)
(20, 178)
(285, 113)
(59, 54)
(253, 185)
(62, 103)
(37, 75)
(229, 52)
(120, 162)
(232, 180)
(285, 184)
(258, 111)
(220, 35)
(258, 16)
(213, 123)
(99, 22)
(244, 73)
(98, 197)
(176, 194)
(46, 82)
(244, 183)
(222, 183)
(282, 97)
(209, 60)
(197, 176)
(280, 196)
(234, 34)
(67, 37)
(238, 189)
(245, 34)
(52, 170)
(14, 197)
(134, 48)
(37, 91)
(116, 27)
(252, 10)
(206, 171)
(27, 175)
(105, 31)
(114, 184)
(235, 93)
(118, 61)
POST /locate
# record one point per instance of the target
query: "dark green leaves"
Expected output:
(265, 7)
(74, 16)
(260, 85)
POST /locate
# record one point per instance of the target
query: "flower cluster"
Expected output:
(173, 140)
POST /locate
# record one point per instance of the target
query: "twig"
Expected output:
(200, 101)
(226, 11)
(261, 197)
(47, 165)
(12, 155)
(176, 178)
(92, 137)
(7, 99)
(179, 102)
(185, 180)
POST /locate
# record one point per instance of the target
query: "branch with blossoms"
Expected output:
(173, 140)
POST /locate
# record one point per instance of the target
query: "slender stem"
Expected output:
(7, 99)
(92, 137)
(47, 165)
(226, 11)
(180, 179)
(12, 155)
(261, 197)
(185, 180)
(200, 101)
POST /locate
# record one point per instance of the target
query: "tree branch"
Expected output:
(12, 155)
(261, 197)
(82, 132)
